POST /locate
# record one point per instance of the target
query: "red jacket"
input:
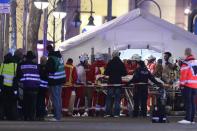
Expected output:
(188, 73)
(97, 68)
(71, 74)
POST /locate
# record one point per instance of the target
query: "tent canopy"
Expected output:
(137, 29)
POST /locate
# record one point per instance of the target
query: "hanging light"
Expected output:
(41, 4)
(91, 21)
(187, 11)
(59, 12)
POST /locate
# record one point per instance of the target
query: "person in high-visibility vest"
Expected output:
(28, 74)
(188, 80)
(8, 105)
(57, 77)
(71, 79)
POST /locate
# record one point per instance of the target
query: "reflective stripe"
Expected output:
(57, 77)
(6, 81)
(42, 85)
(184, 68)
(8, 76)
(29, 67)
(155, 118)
(33, 79)
(190, 81)
(34, 75)
(59, 73)
(44, 82)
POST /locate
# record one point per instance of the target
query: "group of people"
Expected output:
(27, 88)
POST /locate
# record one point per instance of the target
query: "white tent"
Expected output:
(137, 29)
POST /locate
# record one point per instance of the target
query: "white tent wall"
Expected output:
(138, 30)
(99, 45)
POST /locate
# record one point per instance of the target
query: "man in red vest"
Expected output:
(98, 98)
(71, 78)
(188, 80)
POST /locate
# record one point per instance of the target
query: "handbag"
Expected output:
(1, 78)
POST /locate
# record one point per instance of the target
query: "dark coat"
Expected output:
(115, 70)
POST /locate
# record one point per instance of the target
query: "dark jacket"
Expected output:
(35, 71)
(115, 70)
(142, 75)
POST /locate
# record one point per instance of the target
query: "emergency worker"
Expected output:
(98, 99)
(132, 66)
(79, 106)
(140, 78)
(151, 64)
(188, 80)
(28, 73)
(57, 77)
(133, 63)
(71, 79)
(8, 92)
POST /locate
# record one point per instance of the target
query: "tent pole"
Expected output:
(92, 55)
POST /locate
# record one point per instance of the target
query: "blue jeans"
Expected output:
(116, 93)
(189, 101)
(56, 92)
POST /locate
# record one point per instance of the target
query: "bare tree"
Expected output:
(33, 27)
(13, 25)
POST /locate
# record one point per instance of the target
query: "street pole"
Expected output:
(109, 10)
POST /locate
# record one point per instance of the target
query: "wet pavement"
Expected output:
(98, 124)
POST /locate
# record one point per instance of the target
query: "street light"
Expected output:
(91, 18)
(57, 12)
(139, 3)
(41, 4)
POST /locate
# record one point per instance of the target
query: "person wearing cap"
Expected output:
(28, 74)
(188, 83)
(8, 92)
(132, 63)
(56, 78)
(115, 69)
(141, 75)
(151, 63)
(97, 103)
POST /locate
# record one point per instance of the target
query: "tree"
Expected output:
(13, 25)
(33, 27)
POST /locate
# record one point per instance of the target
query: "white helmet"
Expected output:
(136, 57)
(83, 57)
(98, 56)
(151, 57)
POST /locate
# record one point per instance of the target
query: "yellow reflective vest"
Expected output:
(8, 71)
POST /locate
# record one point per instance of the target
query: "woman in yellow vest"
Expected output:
(8, 105)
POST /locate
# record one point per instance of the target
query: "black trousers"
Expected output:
(189, 101)
(140, 100)
(8, 104)
(40, 105)
(29, 104)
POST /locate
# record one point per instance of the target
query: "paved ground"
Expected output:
(97, 124)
